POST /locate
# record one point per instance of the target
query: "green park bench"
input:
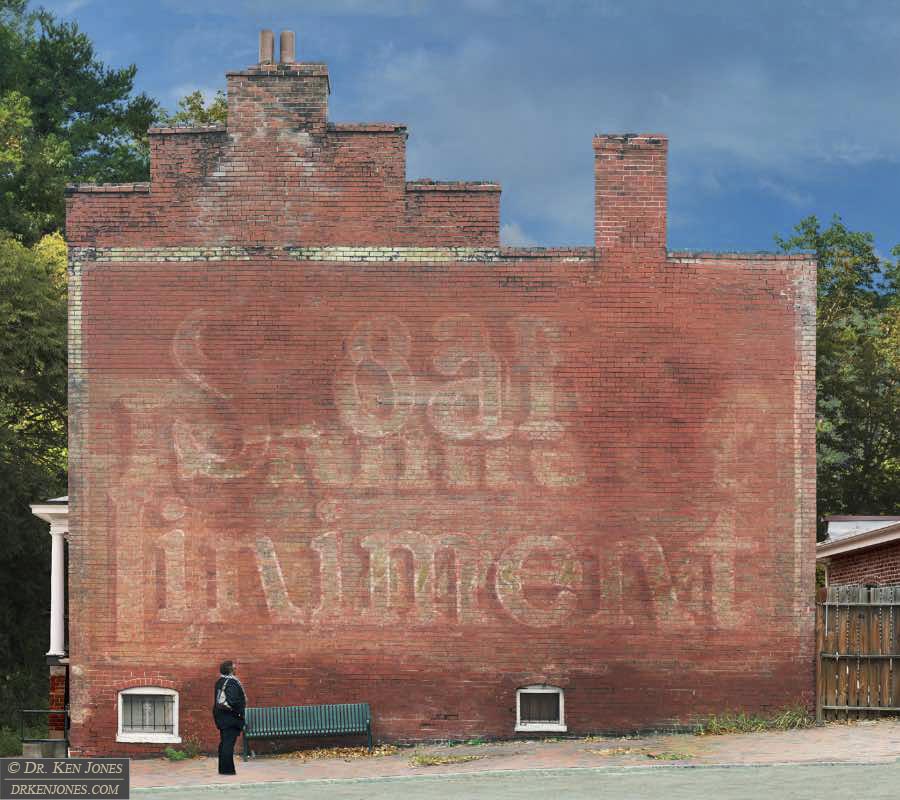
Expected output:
(299, 721)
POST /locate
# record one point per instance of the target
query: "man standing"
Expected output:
(229, 715)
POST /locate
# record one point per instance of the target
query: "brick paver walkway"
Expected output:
(860, 743)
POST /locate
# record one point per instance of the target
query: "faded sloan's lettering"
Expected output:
(473, 424)
(405, 427)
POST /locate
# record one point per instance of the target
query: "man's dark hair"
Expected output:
(226, 667)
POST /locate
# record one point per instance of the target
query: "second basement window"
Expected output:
(540, 708)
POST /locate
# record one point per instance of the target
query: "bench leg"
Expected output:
(246, 747)
(369, 732)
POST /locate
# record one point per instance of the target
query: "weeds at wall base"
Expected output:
(740, 722)
(190, 749)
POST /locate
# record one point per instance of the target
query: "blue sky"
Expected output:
(774, 110)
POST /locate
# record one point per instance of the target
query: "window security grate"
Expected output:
(148, 713)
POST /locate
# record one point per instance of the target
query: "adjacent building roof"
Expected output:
(849, 533)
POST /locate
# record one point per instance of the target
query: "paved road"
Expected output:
(790, 782)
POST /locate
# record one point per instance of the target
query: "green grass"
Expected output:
(741, 722)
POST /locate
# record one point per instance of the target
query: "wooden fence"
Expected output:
(858, 646)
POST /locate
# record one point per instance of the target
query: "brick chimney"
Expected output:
(270, 98)
(630, 180)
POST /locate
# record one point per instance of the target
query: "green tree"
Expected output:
(64, 116)
(32, 455)
(857, 370)
(33, 170)
(194, 110)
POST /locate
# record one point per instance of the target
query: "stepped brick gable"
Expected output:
(324, 424)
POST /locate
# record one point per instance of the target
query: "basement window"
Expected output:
(540, 708)
(148, 714)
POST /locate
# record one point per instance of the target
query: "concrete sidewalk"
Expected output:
(785, 782)
(876, 742)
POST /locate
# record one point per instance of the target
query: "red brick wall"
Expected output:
(874, 565)
(322, 425)
(280, 175)
(56, 722)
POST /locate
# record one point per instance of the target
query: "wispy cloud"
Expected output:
(520, 105)
(512, 235)
(786, 192)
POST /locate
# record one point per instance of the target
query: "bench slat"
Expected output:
(319, 720)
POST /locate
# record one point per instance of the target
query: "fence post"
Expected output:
(821, 597)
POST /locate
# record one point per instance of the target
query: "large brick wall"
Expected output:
(879, 566)
(324, 425)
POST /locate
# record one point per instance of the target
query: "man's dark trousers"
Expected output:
(227, 737)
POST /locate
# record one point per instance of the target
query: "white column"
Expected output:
(57, 590)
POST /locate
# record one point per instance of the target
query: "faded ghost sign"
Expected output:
(415, 496)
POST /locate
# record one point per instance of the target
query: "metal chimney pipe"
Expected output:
(266, 47)
(288, 48)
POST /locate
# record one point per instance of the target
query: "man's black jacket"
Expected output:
(234, 717)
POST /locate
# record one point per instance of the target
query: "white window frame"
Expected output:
(524, 727)
(148, 736)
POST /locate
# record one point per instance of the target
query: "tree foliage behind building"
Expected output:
(857, 369)
(193, 109)
(64, 116)
(32, 455)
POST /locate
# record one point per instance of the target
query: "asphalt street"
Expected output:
(791, 782)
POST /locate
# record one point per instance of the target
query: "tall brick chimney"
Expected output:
(270, 98)
(630, 179)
